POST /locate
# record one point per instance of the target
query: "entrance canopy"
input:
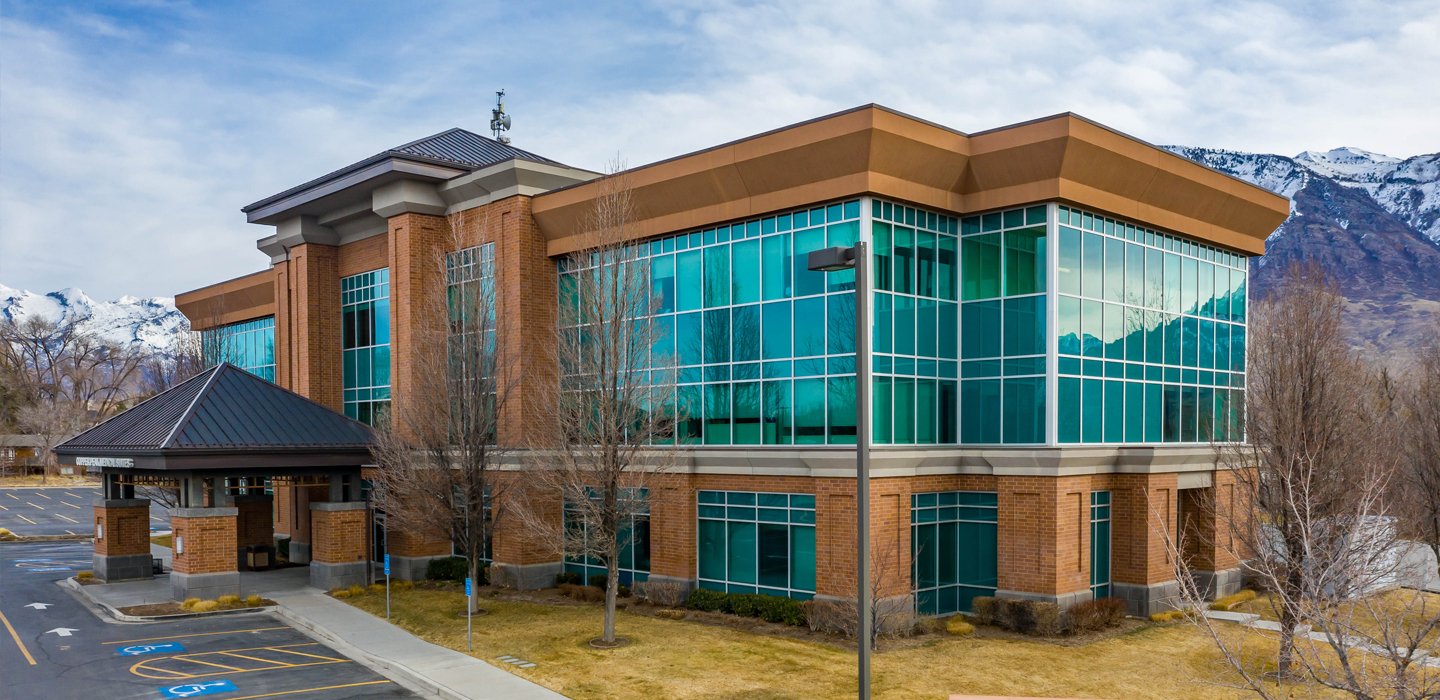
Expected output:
(223, 419)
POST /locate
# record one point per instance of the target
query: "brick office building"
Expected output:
(1059, 337)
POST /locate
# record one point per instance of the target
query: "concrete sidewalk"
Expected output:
(391, 650)
(370, 640)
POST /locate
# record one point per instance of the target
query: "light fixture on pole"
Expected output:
(857, 258)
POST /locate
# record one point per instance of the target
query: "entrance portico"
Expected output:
(218, 441)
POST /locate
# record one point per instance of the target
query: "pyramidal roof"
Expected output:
(223, 409)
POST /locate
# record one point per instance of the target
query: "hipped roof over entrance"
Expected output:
(223, 418)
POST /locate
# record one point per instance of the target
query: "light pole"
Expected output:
(857, 258)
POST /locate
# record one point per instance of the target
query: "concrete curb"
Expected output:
(73, 585)
(396, 671)
(23, 539)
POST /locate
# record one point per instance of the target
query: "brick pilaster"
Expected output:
(1044, 536)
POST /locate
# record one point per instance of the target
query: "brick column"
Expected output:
(300, 529)
(122, 539)
(337, 545)
(1044, 538)
(1143, 509)
(521, 559)
(672, 529)
(1209, 545)
(204, 564)
(417, 245)
(307, 318)
(411, 553)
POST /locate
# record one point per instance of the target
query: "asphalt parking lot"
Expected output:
(54, 646)
(59, 510)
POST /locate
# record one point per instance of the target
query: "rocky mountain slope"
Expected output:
(1371, 221)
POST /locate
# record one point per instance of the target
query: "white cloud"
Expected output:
(131, 142)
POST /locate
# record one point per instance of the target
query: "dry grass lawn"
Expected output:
(14, 480)
(686, 659)
(1408, 609)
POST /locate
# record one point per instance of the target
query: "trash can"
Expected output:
(257, 557)
(157, 566)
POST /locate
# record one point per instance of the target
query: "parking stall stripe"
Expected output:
(16, 637)
(256, 658)
(301, 653)
(72, 505)
(32, 522)
(197, 634)
(13, 496)
(309, 690)
(188, 659)
(67, 493)
(42, 495)
(35, 505)
(67, 519)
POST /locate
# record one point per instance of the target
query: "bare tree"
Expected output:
(1421, 472)
(64, 379)
(611, 422)
(439, 448)
(1314, 528)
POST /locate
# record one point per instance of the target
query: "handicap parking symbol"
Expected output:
(143, 649)
(190, 690)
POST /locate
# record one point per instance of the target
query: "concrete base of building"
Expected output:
(1143, 600)
(327, 576)
(409, 568)
(525, 577)
(204, 586)
(125, 567)
(1218, 584)
(299, 552)
(684, 585)
(1064, 600)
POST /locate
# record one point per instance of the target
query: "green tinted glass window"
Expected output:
(904, 411)
(947, 267)
(1024, 415)
(980, 329)
(1025, 261)
(1024, 323)
(688, 274)
(1092, 266)
(809, 324)
(980, 411)
(880, 235)
(980, 276)
(717, 414)
(807, 281)
(1068, 270)
(810, 411)
(745, 274)
(777, 419)
(904, 264)
(776, 268)
(841, 410)
(1114, 270)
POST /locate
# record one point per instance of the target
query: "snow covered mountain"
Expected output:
(1370, 220)
(153, 322)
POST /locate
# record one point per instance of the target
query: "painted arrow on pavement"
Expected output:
(62, 631)
(38, 606)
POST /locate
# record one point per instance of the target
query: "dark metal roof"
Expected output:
(453, 147)
(223, 409)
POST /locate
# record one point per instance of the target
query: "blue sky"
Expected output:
(132, 132)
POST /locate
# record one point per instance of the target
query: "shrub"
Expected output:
(254, 601)
(403, 585)
(782, 610)
(705, 600)
(204, 606)
(1032, 617)
(588, 594)
(1168, 616)
(1094, 615)
(836, 616)
(958, 626)
(356, 590)
(983, 608)
(567, 577)
(742, 604)
(340, 593)
(1048, 617)
(598, 580)
(228, 600)
(377, 588)
(1230, 602)
(189, 603)
(670, 614)
(6, 535)
(85, 575)
(451, 569)
(663, 593)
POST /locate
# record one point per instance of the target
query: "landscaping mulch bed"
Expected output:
(158, 609)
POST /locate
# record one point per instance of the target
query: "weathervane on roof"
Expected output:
(499, 120)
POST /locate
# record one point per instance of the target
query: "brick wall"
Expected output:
(1206, 518)
(337, 536)
(1143, 506)
(127, 530)
(415, 255)
(363, 255)
(402, 543)
(308, 323)
(209, 544)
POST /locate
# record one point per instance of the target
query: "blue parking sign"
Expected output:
(158, 648)
(468, 588)
(387, 563)
(191, 690)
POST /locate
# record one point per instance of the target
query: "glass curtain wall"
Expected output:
(758, 349)
(954, 549)
(1151, 335)
(757, 543)
(959, 330)
(365, 343)
(249, 345)
(634, 540)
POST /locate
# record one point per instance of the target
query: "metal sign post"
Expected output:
(387, 585)
(469, 592)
